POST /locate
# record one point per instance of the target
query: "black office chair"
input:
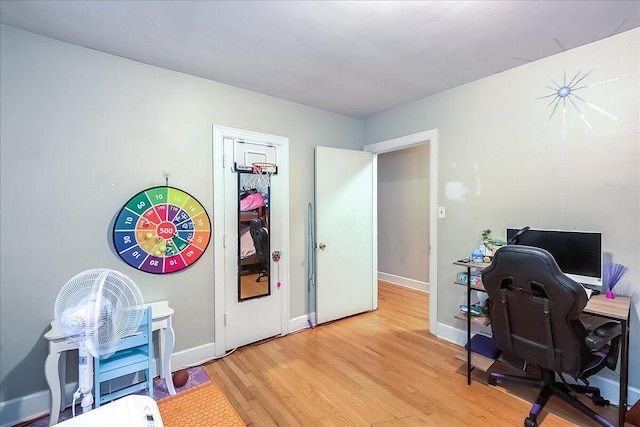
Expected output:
(535, 318)
(261, 243)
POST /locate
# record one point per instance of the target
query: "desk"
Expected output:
(55, 373)
(616, 309)
(599, 305)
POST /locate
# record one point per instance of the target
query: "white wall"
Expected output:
(500, 164)
(82, 132)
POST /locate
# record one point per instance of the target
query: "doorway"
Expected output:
(427, 137)
(251, 302)
(403, 217)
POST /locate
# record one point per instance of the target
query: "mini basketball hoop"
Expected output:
(261, 176)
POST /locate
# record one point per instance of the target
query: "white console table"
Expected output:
(55, 372)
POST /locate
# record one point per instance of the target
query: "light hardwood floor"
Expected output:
(381, 368)
(249, 287)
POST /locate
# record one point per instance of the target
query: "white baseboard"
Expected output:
(37, 404)
(194, 356)
(29, 407)
(451, 334)
(403, 281)
(610, 388)
(300, 323)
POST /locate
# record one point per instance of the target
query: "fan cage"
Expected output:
(100, 306)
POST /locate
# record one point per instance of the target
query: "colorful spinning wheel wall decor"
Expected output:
(161, 230)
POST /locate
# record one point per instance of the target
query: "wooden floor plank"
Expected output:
(381, 369)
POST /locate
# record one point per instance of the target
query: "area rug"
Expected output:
(201, 406)
(197, 376)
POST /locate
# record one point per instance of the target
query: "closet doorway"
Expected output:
(429, 163)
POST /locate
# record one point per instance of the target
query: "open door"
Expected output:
(346, 250)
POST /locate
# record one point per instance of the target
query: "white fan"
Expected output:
(96, 309)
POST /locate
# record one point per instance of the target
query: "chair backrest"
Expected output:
(260, 240)
(141, 336)
(535, 309)
(133, 355)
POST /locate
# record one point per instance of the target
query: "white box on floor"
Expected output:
(130, 411)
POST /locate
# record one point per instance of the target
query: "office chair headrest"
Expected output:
(534, 270)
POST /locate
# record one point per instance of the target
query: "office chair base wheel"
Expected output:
(493, 381)
(530, 422)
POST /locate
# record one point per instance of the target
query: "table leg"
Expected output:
(469, 368)
(52, 376)
(624, 373)
(62, 369)
(166, 357)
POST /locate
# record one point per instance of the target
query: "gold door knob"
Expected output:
(322, 246)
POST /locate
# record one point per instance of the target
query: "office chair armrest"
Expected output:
(602, 335)
(609, 330)
(595, 342)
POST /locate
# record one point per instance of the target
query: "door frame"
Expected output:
(427, 137)
(219, 212)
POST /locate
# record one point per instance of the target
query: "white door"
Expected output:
(241, 321)
(345, 233)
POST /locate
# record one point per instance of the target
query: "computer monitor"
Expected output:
(578, 253)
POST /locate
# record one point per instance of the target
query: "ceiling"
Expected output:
(354, 58)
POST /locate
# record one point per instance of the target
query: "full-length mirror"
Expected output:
(253, 236)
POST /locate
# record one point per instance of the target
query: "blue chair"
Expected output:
(134, 354)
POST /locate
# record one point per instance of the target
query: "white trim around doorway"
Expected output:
(427, 137)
